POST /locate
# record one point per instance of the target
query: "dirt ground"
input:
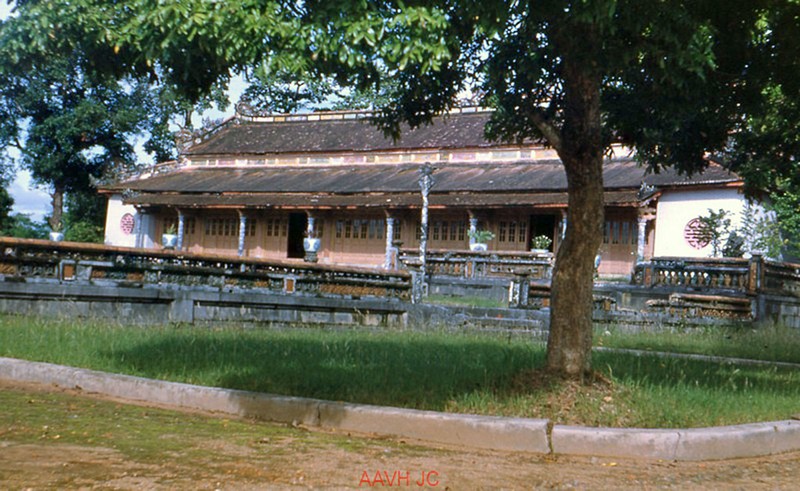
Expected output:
(372, 463)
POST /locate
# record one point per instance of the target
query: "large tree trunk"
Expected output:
(570, 342)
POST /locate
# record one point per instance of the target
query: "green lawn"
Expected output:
(428, 370)
(769, 342)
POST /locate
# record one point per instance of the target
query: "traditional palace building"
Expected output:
(256, 186)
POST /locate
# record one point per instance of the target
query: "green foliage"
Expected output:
(764, 232)
(6, 203)
(541, 242)
(23, 227)
(481, 236)
(758, 232)
(767, 154)
(85, 217)
(289, 92)
(785, 204)
(71, 126)
(715, 230)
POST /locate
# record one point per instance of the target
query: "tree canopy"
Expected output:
(73, 122)
(672, 79)
(283, 91)
(767, 154)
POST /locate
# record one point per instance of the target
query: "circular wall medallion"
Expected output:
(126, 224)
(696, 234)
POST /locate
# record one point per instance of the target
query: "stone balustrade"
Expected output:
(750, 276)
(471, 265)
(781, 278)
(38, 260)
(700, 273)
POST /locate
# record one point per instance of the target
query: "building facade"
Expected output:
(260, 186)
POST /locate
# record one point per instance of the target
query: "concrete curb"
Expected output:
(487, 432)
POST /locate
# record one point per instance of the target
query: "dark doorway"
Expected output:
(543, 225)
(297, 227)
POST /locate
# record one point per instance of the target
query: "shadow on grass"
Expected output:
(400, 369)
(415, 370)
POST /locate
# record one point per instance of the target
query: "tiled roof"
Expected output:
(538, 176)
(393, 200)
(456, 130)
(540, 183)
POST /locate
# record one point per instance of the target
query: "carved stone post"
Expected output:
(563, 224)
(425, 183)
(755, 273)
(141, 228)
(473, 227)
(519, 290)
(641, 222)
(137, 228)
(242, 232)
(645, 215)
(181, 225)
(311, 243)
(387, 262)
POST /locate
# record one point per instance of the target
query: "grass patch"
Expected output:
(769, 342)
(469, 373)
(406, 368)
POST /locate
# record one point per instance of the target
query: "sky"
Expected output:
(35, 201)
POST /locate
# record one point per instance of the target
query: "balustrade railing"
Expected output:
(781, 278)
(39, 260)
(751, 276)
(469, 264)
(712, 273)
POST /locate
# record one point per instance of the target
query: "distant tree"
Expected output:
(70, 125)
(6, 201)
(24, 227)
(85, 217)
(75, 123)
(755, 232)
(6, 204)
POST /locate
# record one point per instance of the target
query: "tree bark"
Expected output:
(57, 200)
(570, 341)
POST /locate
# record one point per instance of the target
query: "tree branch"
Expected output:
(546, 127)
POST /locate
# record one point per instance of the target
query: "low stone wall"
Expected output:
(155, 286)
(27, 260)
(150, 306)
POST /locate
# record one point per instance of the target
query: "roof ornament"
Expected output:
(246, 110)
(184, 138)
(129, 193)
(645, 191)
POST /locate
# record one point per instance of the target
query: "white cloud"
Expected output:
(28, 199)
